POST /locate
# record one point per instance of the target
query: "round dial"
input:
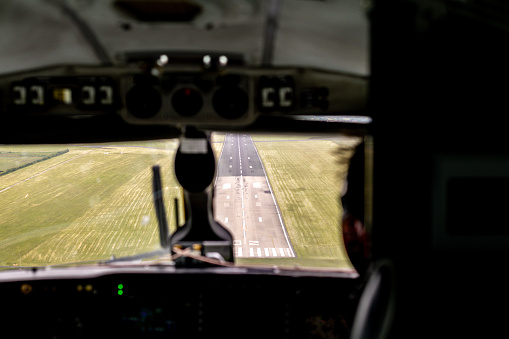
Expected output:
(230, 102)
(187, 101)
(143, 101)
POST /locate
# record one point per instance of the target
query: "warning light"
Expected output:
(26, 289)
(63, 95)
(120, 289)
(187, 91)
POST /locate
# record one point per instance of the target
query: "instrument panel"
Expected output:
(180, 95)
(195, 304)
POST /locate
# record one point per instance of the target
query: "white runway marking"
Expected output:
(267, 252)
(252, 239)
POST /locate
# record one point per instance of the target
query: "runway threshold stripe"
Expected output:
(267, 252)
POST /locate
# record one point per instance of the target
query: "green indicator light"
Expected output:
(120, 292)
(120, 286)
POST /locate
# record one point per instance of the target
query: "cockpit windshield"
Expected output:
(216, 65)
(278, 195)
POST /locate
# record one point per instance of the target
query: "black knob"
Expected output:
(230, 102)
(143, 101)
(187, 101)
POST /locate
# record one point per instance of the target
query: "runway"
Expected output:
(245, 204)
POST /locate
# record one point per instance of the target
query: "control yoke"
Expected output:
(195, 167)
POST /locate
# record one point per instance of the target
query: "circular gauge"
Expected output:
(187, 101)
(230, 102)
(143, 101)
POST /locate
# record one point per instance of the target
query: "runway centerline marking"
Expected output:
(245, 218)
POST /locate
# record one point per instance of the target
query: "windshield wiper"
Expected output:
(157, 190)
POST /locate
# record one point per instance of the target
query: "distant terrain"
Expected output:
(12, 161)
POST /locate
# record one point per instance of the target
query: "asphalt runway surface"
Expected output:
(245, 204)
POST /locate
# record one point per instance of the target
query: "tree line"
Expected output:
(34, 162)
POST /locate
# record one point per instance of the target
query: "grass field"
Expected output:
(306, 175)
(90, 203)
(10, 160)
(13, 160)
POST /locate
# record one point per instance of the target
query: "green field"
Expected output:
(16, 159)
(11, 161)
(90, 203)
(306, 175)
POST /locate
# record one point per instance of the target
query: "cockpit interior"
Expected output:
(247, 169)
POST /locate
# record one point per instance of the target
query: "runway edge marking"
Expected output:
(283, 226)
